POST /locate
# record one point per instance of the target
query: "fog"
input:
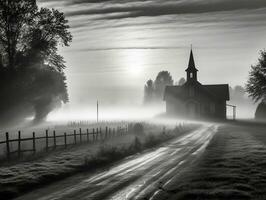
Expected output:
(106, 113)
(123, 104)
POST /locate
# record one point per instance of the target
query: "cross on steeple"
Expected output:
(191, 70)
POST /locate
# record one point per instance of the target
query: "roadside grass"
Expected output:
(232, 167)
(25, 176)
(109, 153)
(40, 131)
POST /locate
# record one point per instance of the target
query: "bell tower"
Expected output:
(191, 70)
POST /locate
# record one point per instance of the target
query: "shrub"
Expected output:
(137, 144)
(138, 128)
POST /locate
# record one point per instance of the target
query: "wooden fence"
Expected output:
(51, 141)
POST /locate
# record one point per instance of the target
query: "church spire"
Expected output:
(191, 63)
(191, 70)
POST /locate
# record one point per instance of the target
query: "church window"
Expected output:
(191, 75)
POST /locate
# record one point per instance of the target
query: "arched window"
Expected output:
(191, 75)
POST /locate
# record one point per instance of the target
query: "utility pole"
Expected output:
(97, 111)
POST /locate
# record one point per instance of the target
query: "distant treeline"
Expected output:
(154, 90)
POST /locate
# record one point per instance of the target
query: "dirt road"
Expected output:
(136, 177)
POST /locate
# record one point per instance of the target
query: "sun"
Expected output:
(135, 69)
(135, 62)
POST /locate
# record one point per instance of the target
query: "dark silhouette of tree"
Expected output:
(256, 85)
(181, 81)
(154, 90)
(15, 18)
(148, 91)
(162, 80)
(261, 110)
(31, 71)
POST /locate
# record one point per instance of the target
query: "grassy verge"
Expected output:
(108, 153)
(26, 176)
(232, 167)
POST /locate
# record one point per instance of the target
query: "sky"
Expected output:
(119, 44)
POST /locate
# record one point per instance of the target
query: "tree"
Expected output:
(256, 85)
(237, 93)
(181, 81)
(31, 70)
(261, 111)
(148, 91)
(162, 80)
(15, 18)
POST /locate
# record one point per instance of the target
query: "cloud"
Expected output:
(102, 1)
(155, 8)
(134, 48)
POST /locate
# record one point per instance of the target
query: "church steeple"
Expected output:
(191, 70)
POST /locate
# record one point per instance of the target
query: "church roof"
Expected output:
(215, 91)
(191, 63)
(221, 91)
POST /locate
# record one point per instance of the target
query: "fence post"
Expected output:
(88, 139)
(93, 134)
(7, 145)
(97, 131)
(80, 135)
(65, 138)
(54, 139)
(106, 132)
(75, 137)
(101, 135)
(33, 142)
(19, 143)
(113, 132)
(46, 140)
(109, 133)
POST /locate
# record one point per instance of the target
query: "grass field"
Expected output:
(23, 176)
(60, 129)
(232, 167)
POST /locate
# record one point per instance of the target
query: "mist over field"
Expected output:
(106, 113)
(132, 99)
(127, 103)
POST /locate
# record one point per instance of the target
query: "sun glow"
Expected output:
(135, 61)
(106, 113)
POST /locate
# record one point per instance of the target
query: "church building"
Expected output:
(194, 100)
